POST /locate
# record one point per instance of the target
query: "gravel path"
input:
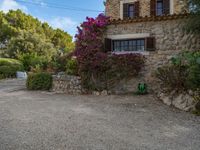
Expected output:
(47, 121)
(11, 85)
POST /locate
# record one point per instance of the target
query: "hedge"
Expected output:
(39, 81)
(9, 67)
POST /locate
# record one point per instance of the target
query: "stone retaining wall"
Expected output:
(67, 84)
(183, 101)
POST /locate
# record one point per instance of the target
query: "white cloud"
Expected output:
(64, 23)
(7, 5)
(40, 2)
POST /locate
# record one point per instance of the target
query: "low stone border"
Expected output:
(72, 85)
(67, 84)
(183, 101)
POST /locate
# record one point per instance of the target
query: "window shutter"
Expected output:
(166, 4)
(125, 10)
(153, 7)
(150, 44)
(107, 45)
(137, 9)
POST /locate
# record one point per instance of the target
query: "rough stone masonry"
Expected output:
(170, 40)
(67, 84)
(113, 7)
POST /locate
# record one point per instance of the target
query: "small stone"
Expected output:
(104, 93)
(190, 92)
(160, 95)
(178, 102)
(96, 93)
(167, 100)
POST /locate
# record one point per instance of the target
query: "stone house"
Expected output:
(153, 28)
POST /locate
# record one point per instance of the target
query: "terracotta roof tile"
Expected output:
(152, 18)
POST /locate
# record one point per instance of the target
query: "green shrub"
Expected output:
(172, 77)
(193, 81)
(191, 62)
(31, 60)
(72, 67)
(183, 73)
(37, 69)
(8, 61)
(9, 67)
(1, 77)
(39, 81)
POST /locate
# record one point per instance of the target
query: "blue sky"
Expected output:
(60, 17)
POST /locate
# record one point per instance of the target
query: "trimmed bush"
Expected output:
(39, 81)
(9, 67)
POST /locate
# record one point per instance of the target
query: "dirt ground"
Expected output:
(48, 121)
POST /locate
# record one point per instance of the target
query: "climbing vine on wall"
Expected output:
(100, 70)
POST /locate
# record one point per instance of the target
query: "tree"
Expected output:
(13, 22)
(6, 30)
(34, 43)
(63, 41)
(31, 49)
(26, 38)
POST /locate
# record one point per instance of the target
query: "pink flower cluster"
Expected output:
(90, 35)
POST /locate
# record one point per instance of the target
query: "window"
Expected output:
(128, 45)
(159, 8)
(131, 11)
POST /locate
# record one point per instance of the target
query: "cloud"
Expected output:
(7, 5)
(40, 2)
(64, 23)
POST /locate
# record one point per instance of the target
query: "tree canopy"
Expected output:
(35, 43)
(13, 22)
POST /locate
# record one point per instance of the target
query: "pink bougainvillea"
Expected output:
(90, 35)
(98, 69)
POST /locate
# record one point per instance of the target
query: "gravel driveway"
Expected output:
(47, 121)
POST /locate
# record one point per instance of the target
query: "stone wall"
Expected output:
(67, 84)
(170, 40)
(183, 101)
(169, 33)
(113, 7)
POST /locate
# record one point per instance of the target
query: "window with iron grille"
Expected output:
(128, 45)
(131, 10)
(159, 8)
